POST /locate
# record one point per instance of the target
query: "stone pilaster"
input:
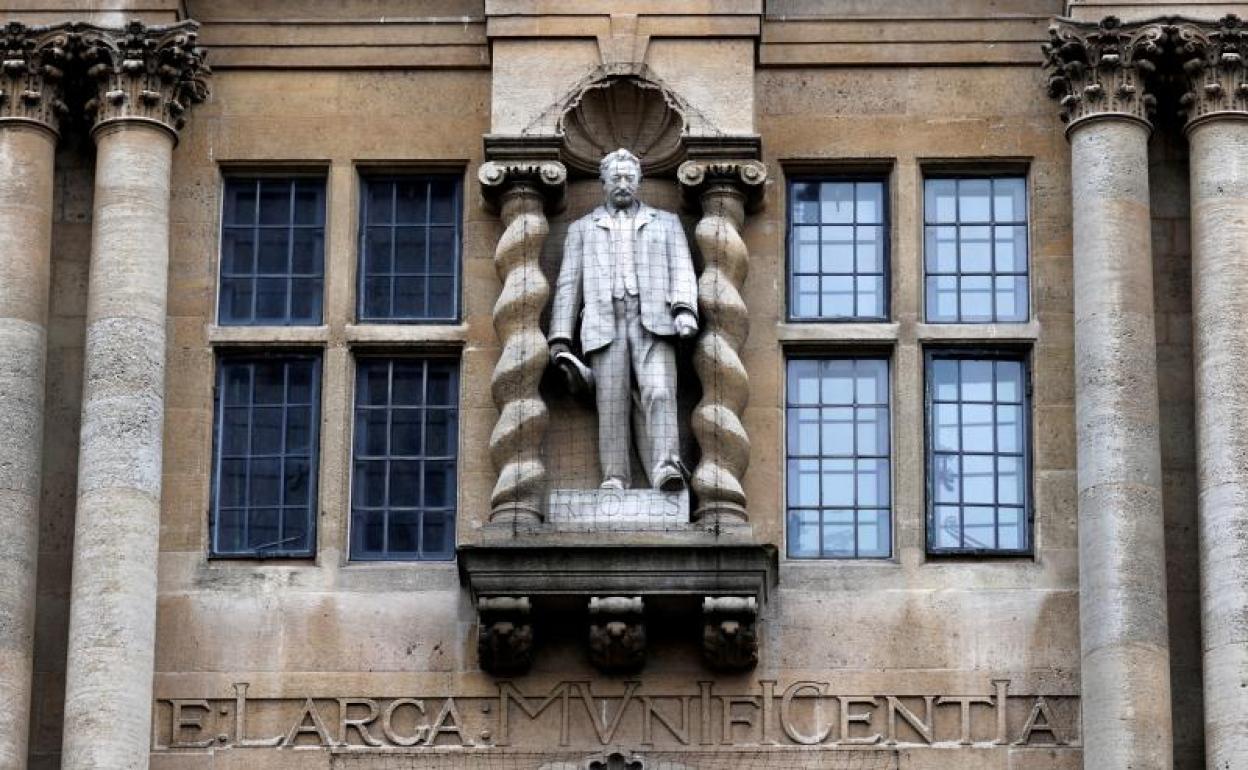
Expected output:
(1216, 103)
(145, 78)
(31, 105)
(1100, 75)
(722, 189)
(521, 190)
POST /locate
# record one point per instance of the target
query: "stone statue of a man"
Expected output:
(627, 272)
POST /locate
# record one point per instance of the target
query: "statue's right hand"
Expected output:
(558, 347)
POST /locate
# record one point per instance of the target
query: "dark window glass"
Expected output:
(409, 249)
(838, 458)
(837, 250)
(978, 456)
(406, 425)
(272, 251)
(264, 463)
(975, 249)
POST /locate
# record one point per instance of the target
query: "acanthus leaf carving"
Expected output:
(1213, 62)
(1103, 68)
(32, 72)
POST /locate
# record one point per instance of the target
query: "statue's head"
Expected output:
(620, 172)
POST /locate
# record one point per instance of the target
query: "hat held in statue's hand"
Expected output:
(580, 377)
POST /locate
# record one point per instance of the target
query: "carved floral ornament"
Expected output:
(1112, 68)
(135, 72)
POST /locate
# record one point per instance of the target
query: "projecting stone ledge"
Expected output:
(563, 576)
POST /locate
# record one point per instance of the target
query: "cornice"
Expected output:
(1103, 70)
(32, 73)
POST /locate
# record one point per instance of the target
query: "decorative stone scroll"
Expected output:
(729, 634)
(141, 72)
(1101, 69)
(1213, 57)
(522, 190)
(722, 189)
(617, 633)
(504, 634)
(32, 73)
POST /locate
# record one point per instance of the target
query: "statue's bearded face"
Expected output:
(620, 183)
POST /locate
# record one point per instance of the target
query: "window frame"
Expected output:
(247, 174)
(252, 356)
(883, 178)
(365, 178)
(960, 173)
(391, 356)
(867, 354)
(1022, 355)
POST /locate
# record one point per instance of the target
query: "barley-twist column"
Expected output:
(1213, 57)
(146, 79)
(522, 192)
(1099, 74)
(30, 110)
(722, 189)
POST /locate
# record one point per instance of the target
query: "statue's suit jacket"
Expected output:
(665, 278)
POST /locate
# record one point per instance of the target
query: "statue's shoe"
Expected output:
(612, 483)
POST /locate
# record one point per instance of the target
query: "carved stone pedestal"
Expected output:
(621, 577)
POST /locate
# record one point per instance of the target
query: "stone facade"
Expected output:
(690, 635)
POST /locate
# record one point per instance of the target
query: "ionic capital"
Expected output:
(144, 73)
(1213, 56)
(745, 177)
(547, 178)
(1102, 70)
(32, 74)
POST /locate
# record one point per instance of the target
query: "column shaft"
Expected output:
(113, 613)
(1219, 200)
(1124, 645)
(27, 152)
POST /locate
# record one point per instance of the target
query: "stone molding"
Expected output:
(1212, 56)
(1102, 70)
(32, 74)
(144, 73)
(522, 190)
(722, 189)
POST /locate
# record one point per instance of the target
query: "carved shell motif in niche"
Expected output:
(622, 112)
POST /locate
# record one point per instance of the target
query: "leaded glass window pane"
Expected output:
(272, 251)
(975, 250)
(409, 249)
(838, 474)
(978, 458)
(264, 459)
(406, 444)
(838, 265)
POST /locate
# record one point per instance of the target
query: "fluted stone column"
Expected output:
(147, 77)
(521, 190)
(1217, 106)
(30, 109)
(722, 189)
(1099, 73)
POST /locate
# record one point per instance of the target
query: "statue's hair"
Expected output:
(619, 156)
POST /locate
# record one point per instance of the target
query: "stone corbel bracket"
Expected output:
(723, 190)
(1102, 69)
(504, 634)
(1213, 58)
(521, 190)
(617, 633)
(729, 632)
(144, 73)
(32, 73)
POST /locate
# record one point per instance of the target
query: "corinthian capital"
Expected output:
(32, 73)
(1213, 63)
(141, 72)
(1102, 69)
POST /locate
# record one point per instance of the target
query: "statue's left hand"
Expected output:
(686, 324)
